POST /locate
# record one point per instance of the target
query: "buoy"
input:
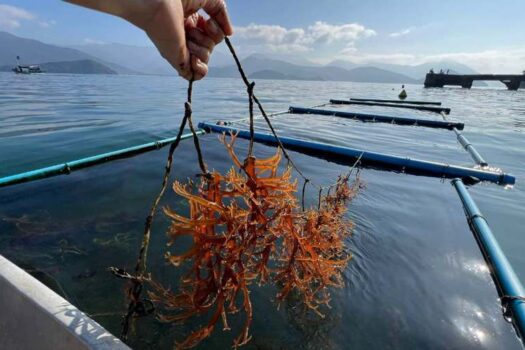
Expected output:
(403, 94)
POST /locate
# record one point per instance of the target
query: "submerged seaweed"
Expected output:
(246, 227)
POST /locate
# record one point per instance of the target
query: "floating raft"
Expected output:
(380, 118)
(397, 101)
(511, 290)
(420, 108)
(349, 155)
(509, 285)
(68, 167)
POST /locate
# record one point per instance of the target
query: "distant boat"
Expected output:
(19, 69)
(26, 69)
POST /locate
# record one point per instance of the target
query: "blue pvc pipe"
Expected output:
(380, 118)
(384, 160)
(508, 283)
(397, 101)
(392, 105)
(470, 149)
(66, 168)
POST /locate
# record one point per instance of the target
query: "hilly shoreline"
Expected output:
(127, 59)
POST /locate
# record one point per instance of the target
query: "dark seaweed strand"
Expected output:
(135, 289)
(267, 119)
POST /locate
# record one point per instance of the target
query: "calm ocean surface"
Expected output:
(417, 281)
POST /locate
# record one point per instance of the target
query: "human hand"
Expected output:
(178, 30)
(183, 37)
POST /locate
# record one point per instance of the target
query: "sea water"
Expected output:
(417, 279)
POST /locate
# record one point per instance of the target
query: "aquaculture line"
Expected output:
(241, 223)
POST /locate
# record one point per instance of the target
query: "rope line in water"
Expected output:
(136, 305)
(269, 123)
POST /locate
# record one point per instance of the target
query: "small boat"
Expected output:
(19, 69)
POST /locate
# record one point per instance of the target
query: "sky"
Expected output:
(487, 35)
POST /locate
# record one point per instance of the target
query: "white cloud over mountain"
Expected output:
(505, 60)
(278, 38)
(12, 16)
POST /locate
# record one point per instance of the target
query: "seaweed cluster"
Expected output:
(247, 227)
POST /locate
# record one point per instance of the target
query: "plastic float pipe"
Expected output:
(380, 118)
(348, 155)
(392, 105)
(470, 149)
(397, 101)
(508, 283)
(468, 146)
(66, 168)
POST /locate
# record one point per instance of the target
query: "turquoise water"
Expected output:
(417, 280)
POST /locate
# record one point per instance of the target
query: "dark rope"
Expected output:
(196, 142)
(268, 121)
(250, 107)
(261, 108)
(135, 290)
(302, 196)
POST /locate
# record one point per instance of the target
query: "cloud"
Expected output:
(46, 24)
(93, 41)
(11, 16)
(402, 32)
(504, 60)
(322, 32)
(278, 38)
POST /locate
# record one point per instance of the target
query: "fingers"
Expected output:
(217, 11)
(214, 31)
(200, 69)
(166, 29)
(200, 45)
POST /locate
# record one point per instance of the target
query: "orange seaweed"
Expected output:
(247, 226)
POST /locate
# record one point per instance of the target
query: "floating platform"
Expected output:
(411, 102)
(512, 81)
(348, 155)
(392, 105)
(376, 118)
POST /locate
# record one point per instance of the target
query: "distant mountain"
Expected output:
(143, 59)
(273, 75)
(266, 68)
(146, 60)
(378, 75)
(128, 59)
(33, 51)
(36, 52)
(415, 72)
(77, 67)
